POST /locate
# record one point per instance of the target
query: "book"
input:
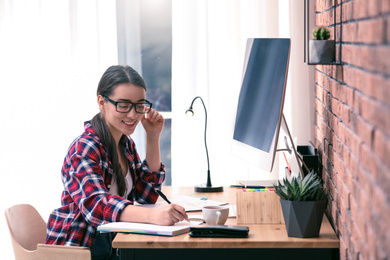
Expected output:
(187, 202)
(148, 229)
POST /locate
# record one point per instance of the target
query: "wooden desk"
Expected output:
(265, 240)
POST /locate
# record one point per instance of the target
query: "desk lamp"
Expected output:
(208, 187)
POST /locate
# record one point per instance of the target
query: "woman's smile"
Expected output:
(130, 124)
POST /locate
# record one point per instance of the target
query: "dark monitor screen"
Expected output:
(260, 104)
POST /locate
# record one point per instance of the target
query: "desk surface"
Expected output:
(260, 236)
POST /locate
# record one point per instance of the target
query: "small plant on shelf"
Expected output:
(321, 33)
(321, 49)
(309, 188)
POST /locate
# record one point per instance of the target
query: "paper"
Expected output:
(187, 202)
(148, 229)
(232, 211)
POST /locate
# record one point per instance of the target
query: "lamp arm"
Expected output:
(208, 184)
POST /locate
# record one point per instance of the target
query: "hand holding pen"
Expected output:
(180, 211)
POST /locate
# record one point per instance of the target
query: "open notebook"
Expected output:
(187, 202)
(148, 229)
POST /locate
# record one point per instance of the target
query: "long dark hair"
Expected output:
(111, 78)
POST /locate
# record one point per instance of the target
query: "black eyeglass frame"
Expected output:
(115, 103)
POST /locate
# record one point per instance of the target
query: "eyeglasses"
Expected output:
(126, 106)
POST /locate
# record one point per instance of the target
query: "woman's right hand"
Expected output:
(165, 216)
(169, 215)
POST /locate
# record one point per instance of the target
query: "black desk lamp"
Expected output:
(208, 187)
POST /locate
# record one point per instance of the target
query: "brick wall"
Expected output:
(352, 131)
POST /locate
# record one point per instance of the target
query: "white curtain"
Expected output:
(209, 40)
(52, 55)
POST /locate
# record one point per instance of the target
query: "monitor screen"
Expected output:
(260, 104)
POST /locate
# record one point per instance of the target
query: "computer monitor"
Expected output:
(260, 104)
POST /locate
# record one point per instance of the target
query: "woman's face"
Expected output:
(122, 123)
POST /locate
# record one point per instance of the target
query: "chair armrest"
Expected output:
(58, 252)
(63, 247)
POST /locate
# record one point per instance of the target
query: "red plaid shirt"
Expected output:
(86, 203)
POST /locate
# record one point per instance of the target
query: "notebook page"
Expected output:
(195, 204)
(187, 202)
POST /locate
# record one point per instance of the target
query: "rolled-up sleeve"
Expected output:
(147, 182)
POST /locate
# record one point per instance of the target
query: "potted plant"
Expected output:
(321, 49)
(303, 204)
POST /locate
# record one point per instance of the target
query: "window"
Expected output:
(144, 30)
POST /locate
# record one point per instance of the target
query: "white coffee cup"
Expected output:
(215, 215)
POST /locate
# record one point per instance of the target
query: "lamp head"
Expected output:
(190, 112)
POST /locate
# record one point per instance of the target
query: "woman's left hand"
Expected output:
(153, 123)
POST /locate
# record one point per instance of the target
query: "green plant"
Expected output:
(321, 33)
(309, 188)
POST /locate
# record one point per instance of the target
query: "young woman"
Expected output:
(102, 172)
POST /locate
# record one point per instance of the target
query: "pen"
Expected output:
(247, 186)
(288, 165)
(162, 195)
(237, 186)
(167, 200)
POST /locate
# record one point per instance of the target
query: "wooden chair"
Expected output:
(28, 233)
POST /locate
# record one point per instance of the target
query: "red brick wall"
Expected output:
(352, 125)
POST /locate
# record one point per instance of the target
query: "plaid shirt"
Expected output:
(86, 203)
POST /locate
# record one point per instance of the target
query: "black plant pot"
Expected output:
(321, 51)
(303, 219)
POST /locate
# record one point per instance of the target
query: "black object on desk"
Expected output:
(219, 231)
(248, 186)
(309, 155)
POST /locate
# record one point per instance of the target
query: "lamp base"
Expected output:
(205, 188)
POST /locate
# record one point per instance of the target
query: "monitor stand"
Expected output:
(269, 183)
(299, 159)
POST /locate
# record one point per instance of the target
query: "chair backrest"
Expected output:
(26, 226)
